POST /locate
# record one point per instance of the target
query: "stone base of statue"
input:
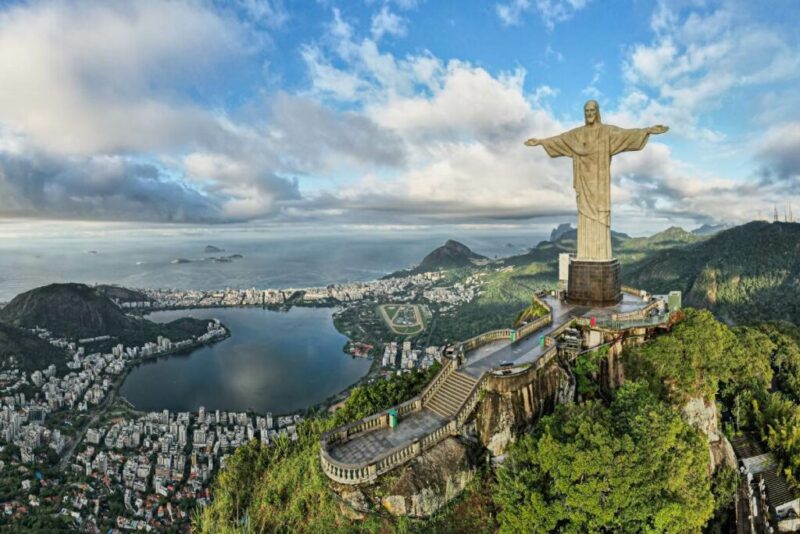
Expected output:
(593, 283)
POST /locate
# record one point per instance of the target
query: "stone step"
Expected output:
(460, 388)
(460, 378)
(454, 393)
(447, 398)
(451, 394)
(441, 407)
(451, 402)
(445, 395)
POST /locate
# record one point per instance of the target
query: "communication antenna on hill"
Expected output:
(789, 209)
(775, 207)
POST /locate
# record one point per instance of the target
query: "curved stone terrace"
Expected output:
(361, 451)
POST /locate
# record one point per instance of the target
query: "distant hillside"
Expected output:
(748, 273)
(28, 351)
(567, 242)
(560, 230)
(451, 255)
(711, 229)
(122, 294)
(66, 309)
(79, 311)
(638, 248)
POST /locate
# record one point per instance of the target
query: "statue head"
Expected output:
(591, 112)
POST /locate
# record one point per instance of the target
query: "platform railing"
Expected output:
(368, 471)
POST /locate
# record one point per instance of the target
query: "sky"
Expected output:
(393, 113)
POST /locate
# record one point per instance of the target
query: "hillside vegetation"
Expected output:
(72, 310)
(29, 353)
(750, 273)
(626, 462)
(76, 311)
(281, 488)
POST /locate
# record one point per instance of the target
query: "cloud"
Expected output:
(97, 187)
(697, 61)
(654, 185)
(779, 150)
(550, 11)
(83, 77)
(269, 13)
(387, 23)
(459, 130)
(102, 82)
(108, 111)
(591, 90)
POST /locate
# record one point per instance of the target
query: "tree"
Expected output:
(631, 467)
(689, 362)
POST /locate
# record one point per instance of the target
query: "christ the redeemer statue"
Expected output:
(591, 147)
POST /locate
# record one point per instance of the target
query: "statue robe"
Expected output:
(591, 148)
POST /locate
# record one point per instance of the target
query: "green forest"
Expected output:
(624, 461)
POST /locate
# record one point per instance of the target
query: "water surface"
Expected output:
(275, 362)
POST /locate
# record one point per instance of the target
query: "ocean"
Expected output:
(270, 259)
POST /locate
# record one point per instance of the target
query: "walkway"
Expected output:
(370, 444)
(453, 399)
(528, 349)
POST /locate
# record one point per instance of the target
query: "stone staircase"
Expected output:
(451, 395)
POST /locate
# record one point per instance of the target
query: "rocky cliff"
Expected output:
(419, 488)
(512, 404)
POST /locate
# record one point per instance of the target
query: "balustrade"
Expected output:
(369, 471)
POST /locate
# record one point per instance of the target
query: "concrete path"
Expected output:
(418, 424)
(371, 444)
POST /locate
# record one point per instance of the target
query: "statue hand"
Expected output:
(658, 129)
(532, 142)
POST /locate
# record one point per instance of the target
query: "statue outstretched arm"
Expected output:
(558, 145)
(658, 129)
(631, 139)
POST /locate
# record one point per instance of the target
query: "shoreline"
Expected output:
(322, 406)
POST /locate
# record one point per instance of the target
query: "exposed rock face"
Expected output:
(560, 230)
(430, 481)
(702, 415)
(419, 488)
(512, 404)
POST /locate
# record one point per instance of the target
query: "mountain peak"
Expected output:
(66, 309)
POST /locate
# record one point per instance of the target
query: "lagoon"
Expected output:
(274, 361)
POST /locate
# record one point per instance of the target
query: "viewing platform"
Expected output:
(360, 452)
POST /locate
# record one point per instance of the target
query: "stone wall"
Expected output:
(511, 404)
(420, 487)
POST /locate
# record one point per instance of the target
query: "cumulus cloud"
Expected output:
(102, 82)
(550, 11)
(97, 187)
(460, 130)
(697, 59)
(779, 150)
(100, 118)
(385, 22)
(86, 77)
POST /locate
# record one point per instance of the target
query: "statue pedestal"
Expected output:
(593, 282)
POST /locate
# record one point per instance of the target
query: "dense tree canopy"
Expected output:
(633, 466)
(689, 362)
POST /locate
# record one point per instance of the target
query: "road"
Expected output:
(96, 413)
